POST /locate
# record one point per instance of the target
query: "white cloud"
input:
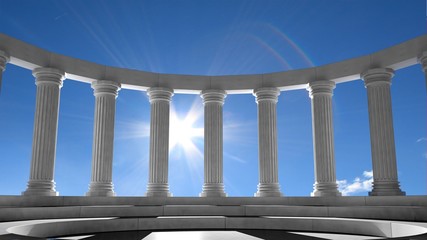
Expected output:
(359, 184)
(368, 174)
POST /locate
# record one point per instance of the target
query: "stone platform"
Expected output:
(26, 217)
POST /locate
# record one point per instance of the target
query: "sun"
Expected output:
(183, 131)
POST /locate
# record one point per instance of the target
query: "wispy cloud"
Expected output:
(234, 158)
(358, 185)
(422, 139)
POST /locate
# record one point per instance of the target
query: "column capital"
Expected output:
(377, 76)
(4, 59)
(159, 94)
(104, 87)
(213, 95)
(266, 94)
(49, 76)
(320, 87)
(422, 59)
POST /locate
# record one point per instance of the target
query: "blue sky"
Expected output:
(210, 37)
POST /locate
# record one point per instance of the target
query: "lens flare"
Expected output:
(185, 132)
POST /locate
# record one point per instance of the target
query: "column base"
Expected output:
(158, 190)
(386, 188)
(101, 189)
(213, 190)
(325, 190)
(268, 190)
(40, 188)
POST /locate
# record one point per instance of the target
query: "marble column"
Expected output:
(325, 184)
(266, 99)
(377, 82)
(49, 82)
(158, 185)
(213, 186)
(4, 59)
(105, 93)
(423, 61)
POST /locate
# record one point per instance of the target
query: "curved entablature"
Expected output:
(30, 57)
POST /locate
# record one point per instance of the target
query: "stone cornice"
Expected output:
(396, 57)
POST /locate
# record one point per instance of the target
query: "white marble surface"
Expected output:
(158, 184)
(266, 99)
(103, 138)
(49, 82)
(69, 227)
(320, 93)
(28, 56)
(213, 185)
(384, 166)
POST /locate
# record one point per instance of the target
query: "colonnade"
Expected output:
(377, 82)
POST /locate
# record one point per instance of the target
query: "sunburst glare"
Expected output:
(184, 131)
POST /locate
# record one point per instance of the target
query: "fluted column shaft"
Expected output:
(105, 93)
(213, 186)
(377, 82)
(266, 99)
(320, 93)
(4, 59)
(49, 82)
(158, 185)
(423, 61)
